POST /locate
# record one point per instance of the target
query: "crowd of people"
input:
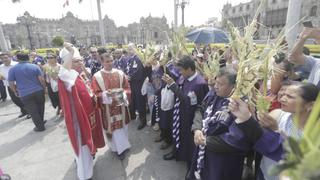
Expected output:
(99, 91)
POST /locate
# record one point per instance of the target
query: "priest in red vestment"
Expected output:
(83, 121)
(113, 91)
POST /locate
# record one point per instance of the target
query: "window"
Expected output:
(240, 10)
(274, 1)
(248, 6)
(155, 35)
(276, 17)
(313, 11)
(233, 10)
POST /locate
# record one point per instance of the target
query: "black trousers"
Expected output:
(34, 104)
(138, 102)
(54, 97)
(166, 135)
(17, 101)
(3, 92)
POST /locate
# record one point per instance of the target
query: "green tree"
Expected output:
(57, 41)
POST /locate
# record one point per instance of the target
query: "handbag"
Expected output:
(167, 99)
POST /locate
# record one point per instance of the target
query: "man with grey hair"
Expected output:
(220, 148)
(119, 60)
(136, 76)
(93, 62)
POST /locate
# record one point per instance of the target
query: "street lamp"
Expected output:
(183, 5)
(26, 20)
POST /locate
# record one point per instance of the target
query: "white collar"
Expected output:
(156, 67)
(12, 63)
(103, 70)
(193, 76)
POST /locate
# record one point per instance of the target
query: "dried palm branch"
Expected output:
(268, 69)
(244, 50)
(178, 46)
(51, 71)
(253, 63)
(164, 59)
(140, 54)
(147, 55)
(210, 69)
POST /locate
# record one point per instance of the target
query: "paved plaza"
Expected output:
(29, 155)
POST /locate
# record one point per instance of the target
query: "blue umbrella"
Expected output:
(207, 35)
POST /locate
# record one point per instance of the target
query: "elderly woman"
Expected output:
(268, 137)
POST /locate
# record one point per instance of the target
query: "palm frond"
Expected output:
(210, 69)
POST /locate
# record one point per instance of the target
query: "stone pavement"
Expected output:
(29, 155)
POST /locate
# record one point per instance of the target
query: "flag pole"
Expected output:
(101, 27)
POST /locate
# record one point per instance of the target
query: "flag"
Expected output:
(66, 3)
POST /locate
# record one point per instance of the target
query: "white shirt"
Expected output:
(286, 126)
(4, 71)
(312, 65)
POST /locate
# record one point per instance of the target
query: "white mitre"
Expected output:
(65, 55)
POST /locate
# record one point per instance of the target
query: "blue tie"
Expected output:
(176, 123)
(201, 151)
(156, 105)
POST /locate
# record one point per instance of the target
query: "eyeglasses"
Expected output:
(51, 57)
(93, 52)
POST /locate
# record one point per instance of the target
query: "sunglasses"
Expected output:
(51, 57)
(93, 52)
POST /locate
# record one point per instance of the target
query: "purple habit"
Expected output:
(198, 88)
(221, 165)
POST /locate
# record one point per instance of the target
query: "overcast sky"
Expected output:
(122, 12)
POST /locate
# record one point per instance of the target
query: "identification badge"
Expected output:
(193, 98)
(135, 65)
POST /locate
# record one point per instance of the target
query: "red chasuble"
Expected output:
(88, 118)
(113, 116)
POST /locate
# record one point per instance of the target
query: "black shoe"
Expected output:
(38, 129)
(122, 156)
(158, 139)
(44, 121)
(22, 115)
(164, 145)
(169, 156)
(133, 117)
(141, 125)
(28, 116)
